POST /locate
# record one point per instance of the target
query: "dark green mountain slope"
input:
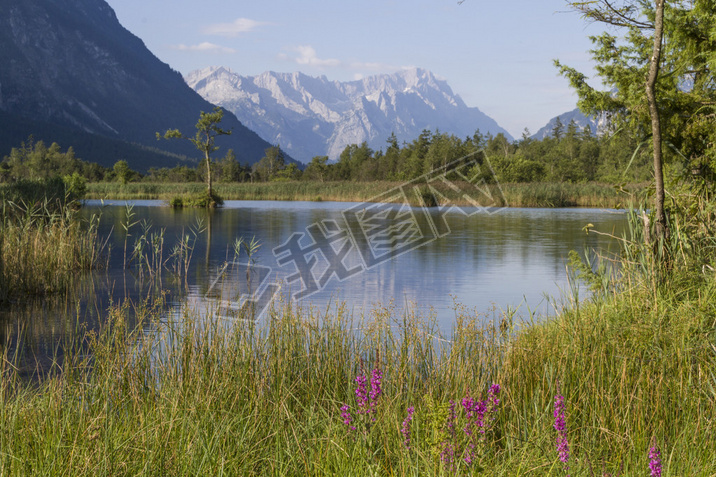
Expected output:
(69, 72)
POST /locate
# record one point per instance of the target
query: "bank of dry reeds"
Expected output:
(43, 244)
(512, 195)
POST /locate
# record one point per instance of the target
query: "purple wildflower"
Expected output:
(490, 407)
(375, 387)
(452, 417)
(406, 427)
(560, 425)
(655, 461)
(346, 416)
(448, 453)
(492, 395)
(468, 404)
(362, 394)
(366, 401)
(480, 409)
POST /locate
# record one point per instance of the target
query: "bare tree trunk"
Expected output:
(208, 173)
(661, 230)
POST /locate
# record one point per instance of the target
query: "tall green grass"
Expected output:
(201, 395)
(633, 367)
(513, 195)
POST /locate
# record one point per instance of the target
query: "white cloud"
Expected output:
(307, 56)
(235, 28)
(205, 46)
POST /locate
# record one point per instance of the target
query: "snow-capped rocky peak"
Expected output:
(311, 116)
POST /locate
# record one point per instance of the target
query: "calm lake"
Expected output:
(319, 254)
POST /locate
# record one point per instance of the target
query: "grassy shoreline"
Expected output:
(200, 397)
(512, 195)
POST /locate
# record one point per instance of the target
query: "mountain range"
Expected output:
(311, 116)
(72, 74)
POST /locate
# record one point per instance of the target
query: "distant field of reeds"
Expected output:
(513, 195)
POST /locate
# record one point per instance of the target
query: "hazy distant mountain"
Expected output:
(310, 116)
(71, 73)
(597, 124)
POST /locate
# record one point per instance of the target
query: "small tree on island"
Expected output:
(207, 129)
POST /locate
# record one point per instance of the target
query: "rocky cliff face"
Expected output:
(71, 64)
(310, 116)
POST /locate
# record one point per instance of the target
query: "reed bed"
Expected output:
(513, 195)
(43, 245)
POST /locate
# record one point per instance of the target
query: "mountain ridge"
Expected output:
(310, 116)
(71, 64)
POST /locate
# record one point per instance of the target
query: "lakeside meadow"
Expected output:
(620, 384)
(192, 398)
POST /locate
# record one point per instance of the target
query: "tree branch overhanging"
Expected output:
(604, 11)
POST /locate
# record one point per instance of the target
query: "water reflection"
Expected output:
(510, 258)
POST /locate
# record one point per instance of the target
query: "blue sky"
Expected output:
(497, 55)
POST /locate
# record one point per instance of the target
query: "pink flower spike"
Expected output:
(655, 461)
(362, 394)
(560, 425)
(346, 416)
(405, 430)
(375, 387)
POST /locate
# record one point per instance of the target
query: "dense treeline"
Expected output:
(567, 155)
(37, 161)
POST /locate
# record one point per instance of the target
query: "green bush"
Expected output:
(75, 185)
(200, 200)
